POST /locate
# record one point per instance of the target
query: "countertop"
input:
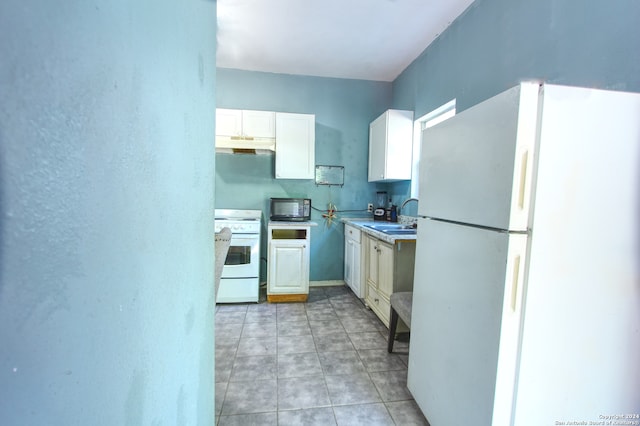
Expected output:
(391, 239)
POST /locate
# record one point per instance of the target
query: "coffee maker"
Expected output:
(379, 212)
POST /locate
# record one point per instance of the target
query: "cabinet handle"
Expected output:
(376, 300)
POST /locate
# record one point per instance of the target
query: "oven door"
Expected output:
(243, 257)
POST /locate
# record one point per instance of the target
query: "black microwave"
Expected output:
(290, 209)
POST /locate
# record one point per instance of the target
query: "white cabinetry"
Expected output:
(352, 260)
(237, 128)
(388, 269)
(288, 263)
(295, 146)
(292, 136)
(390, 146)
(245, 123)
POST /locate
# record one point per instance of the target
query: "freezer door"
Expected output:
(461, 274)
(477, 166)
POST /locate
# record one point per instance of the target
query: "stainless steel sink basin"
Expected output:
(386, 226)
(400, 231)
(392, 229)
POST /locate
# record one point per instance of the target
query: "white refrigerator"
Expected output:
(526, 304)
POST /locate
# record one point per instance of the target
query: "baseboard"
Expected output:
(278, 298)
(327, 283)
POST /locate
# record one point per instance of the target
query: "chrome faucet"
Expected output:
(405, 203)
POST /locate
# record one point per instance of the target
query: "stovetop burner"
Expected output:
(231, 214)
(239, 221)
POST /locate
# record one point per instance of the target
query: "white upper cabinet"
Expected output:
(237, 128)
(228, 122)
(245, 123)
(295, 146)
(259, 124)
(390, 146)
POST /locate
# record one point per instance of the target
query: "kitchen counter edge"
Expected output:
(359, 223)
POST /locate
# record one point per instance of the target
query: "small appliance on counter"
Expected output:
(380, 213)
(384, 211)
(290, 209)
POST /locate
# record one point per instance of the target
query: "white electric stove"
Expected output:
(240, 281)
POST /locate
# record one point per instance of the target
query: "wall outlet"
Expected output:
(370, 207)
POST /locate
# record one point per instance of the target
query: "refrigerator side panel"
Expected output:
(581, 329)
(469, 162)
(455, 326)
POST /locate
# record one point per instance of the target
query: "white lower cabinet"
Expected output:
(353, 260)
(388, 268)
(288, 263)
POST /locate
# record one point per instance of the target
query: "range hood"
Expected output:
(245, 145)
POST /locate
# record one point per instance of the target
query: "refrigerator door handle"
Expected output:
(523, 179)
(521, 190)
(515, 278)
(514, 289)
(523, 160)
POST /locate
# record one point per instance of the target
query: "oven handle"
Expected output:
(251, 238)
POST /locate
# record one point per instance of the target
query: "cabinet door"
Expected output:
(348, 261)
(399, 145)
(391, 146)
(352, 268)
(385, 269)
(288, 267)
(377, 148)
(295, 146)
(366, 266)
(372, 262)
(259, 124)
(379, 278)
(228, 122)
(356, 271)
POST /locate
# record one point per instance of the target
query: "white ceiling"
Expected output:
(361, 39)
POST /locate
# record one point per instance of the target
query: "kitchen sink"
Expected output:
(409, 231)
(386, 226)
(392, 229)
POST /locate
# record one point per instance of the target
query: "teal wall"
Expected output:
(496, 44)
(491, 47)
(343, 110)
(106, 212)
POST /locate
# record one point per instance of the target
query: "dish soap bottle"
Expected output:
(394, 213)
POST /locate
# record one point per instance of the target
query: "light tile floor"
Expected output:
(323, 362)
